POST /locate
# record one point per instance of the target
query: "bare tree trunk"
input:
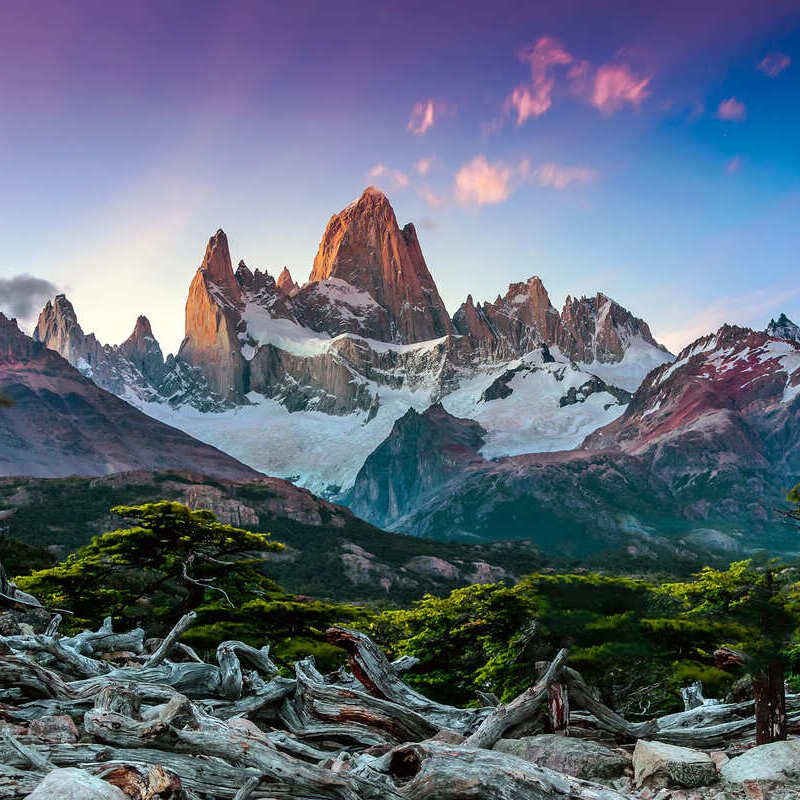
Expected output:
(769, 693)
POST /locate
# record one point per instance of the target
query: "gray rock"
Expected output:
(661, 766)
(779, 762)
(74, 784)
(576, 757)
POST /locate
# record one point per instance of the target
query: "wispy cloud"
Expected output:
(395, 177)
(535, 98)
(615, 86)
(423, 117)
(431, 198)
(773, 64)
(733, 165)
(731, 110)
(425, 165)
(561, 177)
(23, 295)
(480, 182)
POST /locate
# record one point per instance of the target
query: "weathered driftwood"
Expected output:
(237, 730)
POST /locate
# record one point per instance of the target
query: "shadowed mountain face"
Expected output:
(701, 458)
(61, 423)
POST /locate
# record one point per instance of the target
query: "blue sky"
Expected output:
(651, 154)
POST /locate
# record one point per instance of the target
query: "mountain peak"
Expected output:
(364, 246)
(286, 283)
(217, 266)
(784, 328)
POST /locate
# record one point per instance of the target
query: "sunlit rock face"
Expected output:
(364, 246)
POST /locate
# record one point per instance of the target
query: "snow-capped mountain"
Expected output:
(700, 458)
(306, 381)
(784, 328)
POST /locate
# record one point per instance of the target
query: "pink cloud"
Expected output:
(773, 64)
(731, 110)
(479, 182)
(396, 178)
(431, 198)
(734, 165)
(615, 85)
(423, 117)
(535, 98)
(561, 177)
(425, 165)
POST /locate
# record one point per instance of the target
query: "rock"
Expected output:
(779, 762)
(364, 246)
(55, 728)
(74, 784)
(657, 765)
(576, 757)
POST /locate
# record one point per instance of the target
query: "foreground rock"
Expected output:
(777, 762)
(576, 757)
(662, 766)
(74, 784)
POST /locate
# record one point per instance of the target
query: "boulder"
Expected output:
(778, 762)
(59, 729)
(576, 757)
(661, 766)
(74, 784)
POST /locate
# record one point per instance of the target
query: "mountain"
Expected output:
(783, 328)
(700, 459)
(62, 423)
(304, 382)
(364, 246)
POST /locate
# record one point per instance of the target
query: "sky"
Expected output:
(650, 151)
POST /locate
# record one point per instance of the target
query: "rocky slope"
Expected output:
(700, 458)
(60, 423)
(306, 381)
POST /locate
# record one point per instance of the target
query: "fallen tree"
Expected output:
(155, 720)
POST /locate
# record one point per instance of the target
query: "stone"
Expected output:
(576, 757)
(364, 246)
(657, 765)
(74, 784)
(779, 762)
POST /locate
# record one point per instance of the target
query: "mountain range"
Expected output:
(575, 428)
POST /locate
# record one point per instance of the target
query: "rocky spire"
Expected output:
(217, 267)
(364, 246)
(142, 349)
(784, 328)
(286, 283)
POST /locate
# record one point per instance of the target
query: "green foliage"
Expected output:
(175, 559)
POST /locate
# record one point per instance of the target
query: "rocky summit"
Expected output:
(358, 385)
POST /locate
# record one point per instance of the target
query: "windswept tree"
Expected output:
(172, 560)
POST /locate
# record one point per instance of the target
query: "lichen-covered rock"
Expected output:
(779, 762)
(577, 757)
(657, 765)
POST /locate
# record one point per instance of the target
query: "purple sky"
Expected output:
(651, 153)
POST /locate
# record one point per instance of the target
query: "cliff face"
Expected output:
(364, 246)
(61, 423)
(213, 314)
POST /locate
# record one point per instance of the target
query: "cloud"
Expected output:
(734, 165)
(479, 182)
(773, 64)
(425, 165)
(615, 85)
(23, 295)
(431, 198)
(560, 177)
(396, 178)
(423, 117)
(535, 98)
(731, 110)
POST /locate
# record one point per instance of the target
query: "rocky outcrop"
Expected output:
(142, 349)
(663, 766)
(783, 328)
(213, 315)
(599, 329)
(364, 246)
(286, 283)
(776, 763)
(422, 452)
(61, 423)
